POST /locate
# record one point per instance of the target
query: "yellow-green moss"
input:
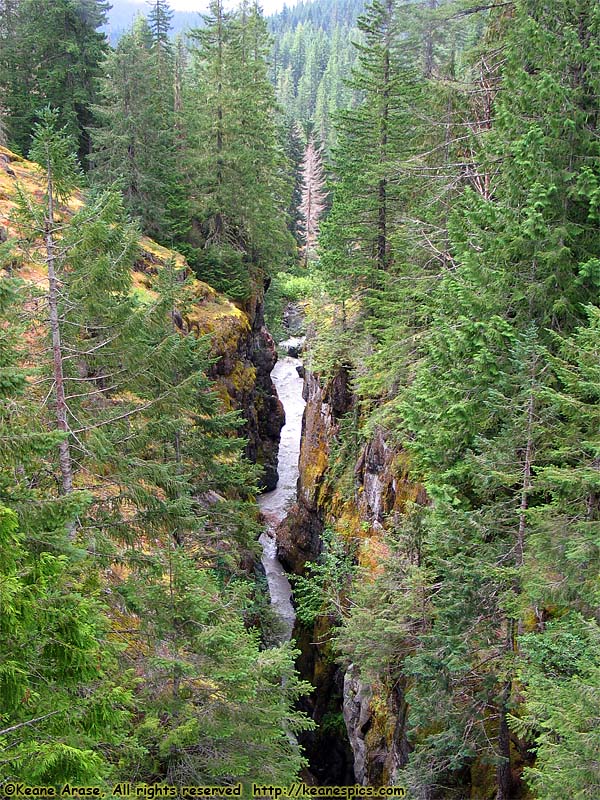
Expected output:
(314, 465)
(208, 312)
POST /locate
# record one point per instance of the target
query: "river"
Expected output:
(274, 504)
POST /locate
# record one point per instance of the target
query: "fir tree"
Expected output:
(482, 361)
(369, 138)
(477, 408)
(51, 148)
(160, 20)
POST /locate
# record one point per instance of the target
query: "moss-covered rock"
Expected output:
(243, 350)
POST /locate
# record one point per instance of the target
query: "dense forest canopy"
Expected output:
(311, 60)
(424, 178)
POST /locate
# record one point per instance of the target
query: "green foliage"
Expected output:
(466, 334)
(236, 169)
(561, 677)
(225, 268)
(342, 454)
(57, 666)
(285, 287)
(311, 60)
(323, 590)
(51, 147)
(169, 508)
(50, 55)
(217, 708)
(390, 609)
(136, 143)
(457, 288)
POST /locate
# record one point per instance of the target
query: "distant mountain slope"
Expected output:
(312, 57)
(325, 14)
(123, 12)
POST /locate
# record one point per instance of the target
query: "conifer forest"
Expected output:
(300, 399)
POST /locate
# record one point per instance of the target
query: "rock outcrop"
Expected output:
(375, 490)
(375, 721)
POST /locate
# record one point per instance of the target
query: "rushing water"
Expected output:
(274, 504)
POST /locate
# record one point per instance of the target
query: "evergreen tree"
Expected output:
(218, 710)
(369, 139)
(312, 58)
(294, 151)
(559, 664)
(482, 463)
(478, 409)
(57, 667)
(159, 21)
(238, 174)
(50, 55)
(51, 148)
(169, 500)
(136, 142)
(559, 669)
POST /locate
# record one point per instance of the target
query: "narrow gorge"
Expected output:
(360, 735)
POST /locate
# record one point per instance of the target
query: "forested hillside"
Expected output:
(122, 13)
(312, 58)
(415, 186)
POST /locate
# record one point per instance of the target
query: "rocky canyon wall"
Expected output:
(371, 495)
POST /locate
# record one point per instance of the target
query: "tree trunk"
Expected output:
(503, 770)
(382, 188)
(66, 464)
(428, 56)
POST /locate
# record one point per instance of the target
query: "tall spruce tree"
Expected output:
(238, 172)
(559, 666)
(370, 140)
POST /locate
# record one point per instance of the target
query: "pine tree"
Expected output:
(559, 665)
(52, 150)
(369, 139)
(478, 410)
(559, 670)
